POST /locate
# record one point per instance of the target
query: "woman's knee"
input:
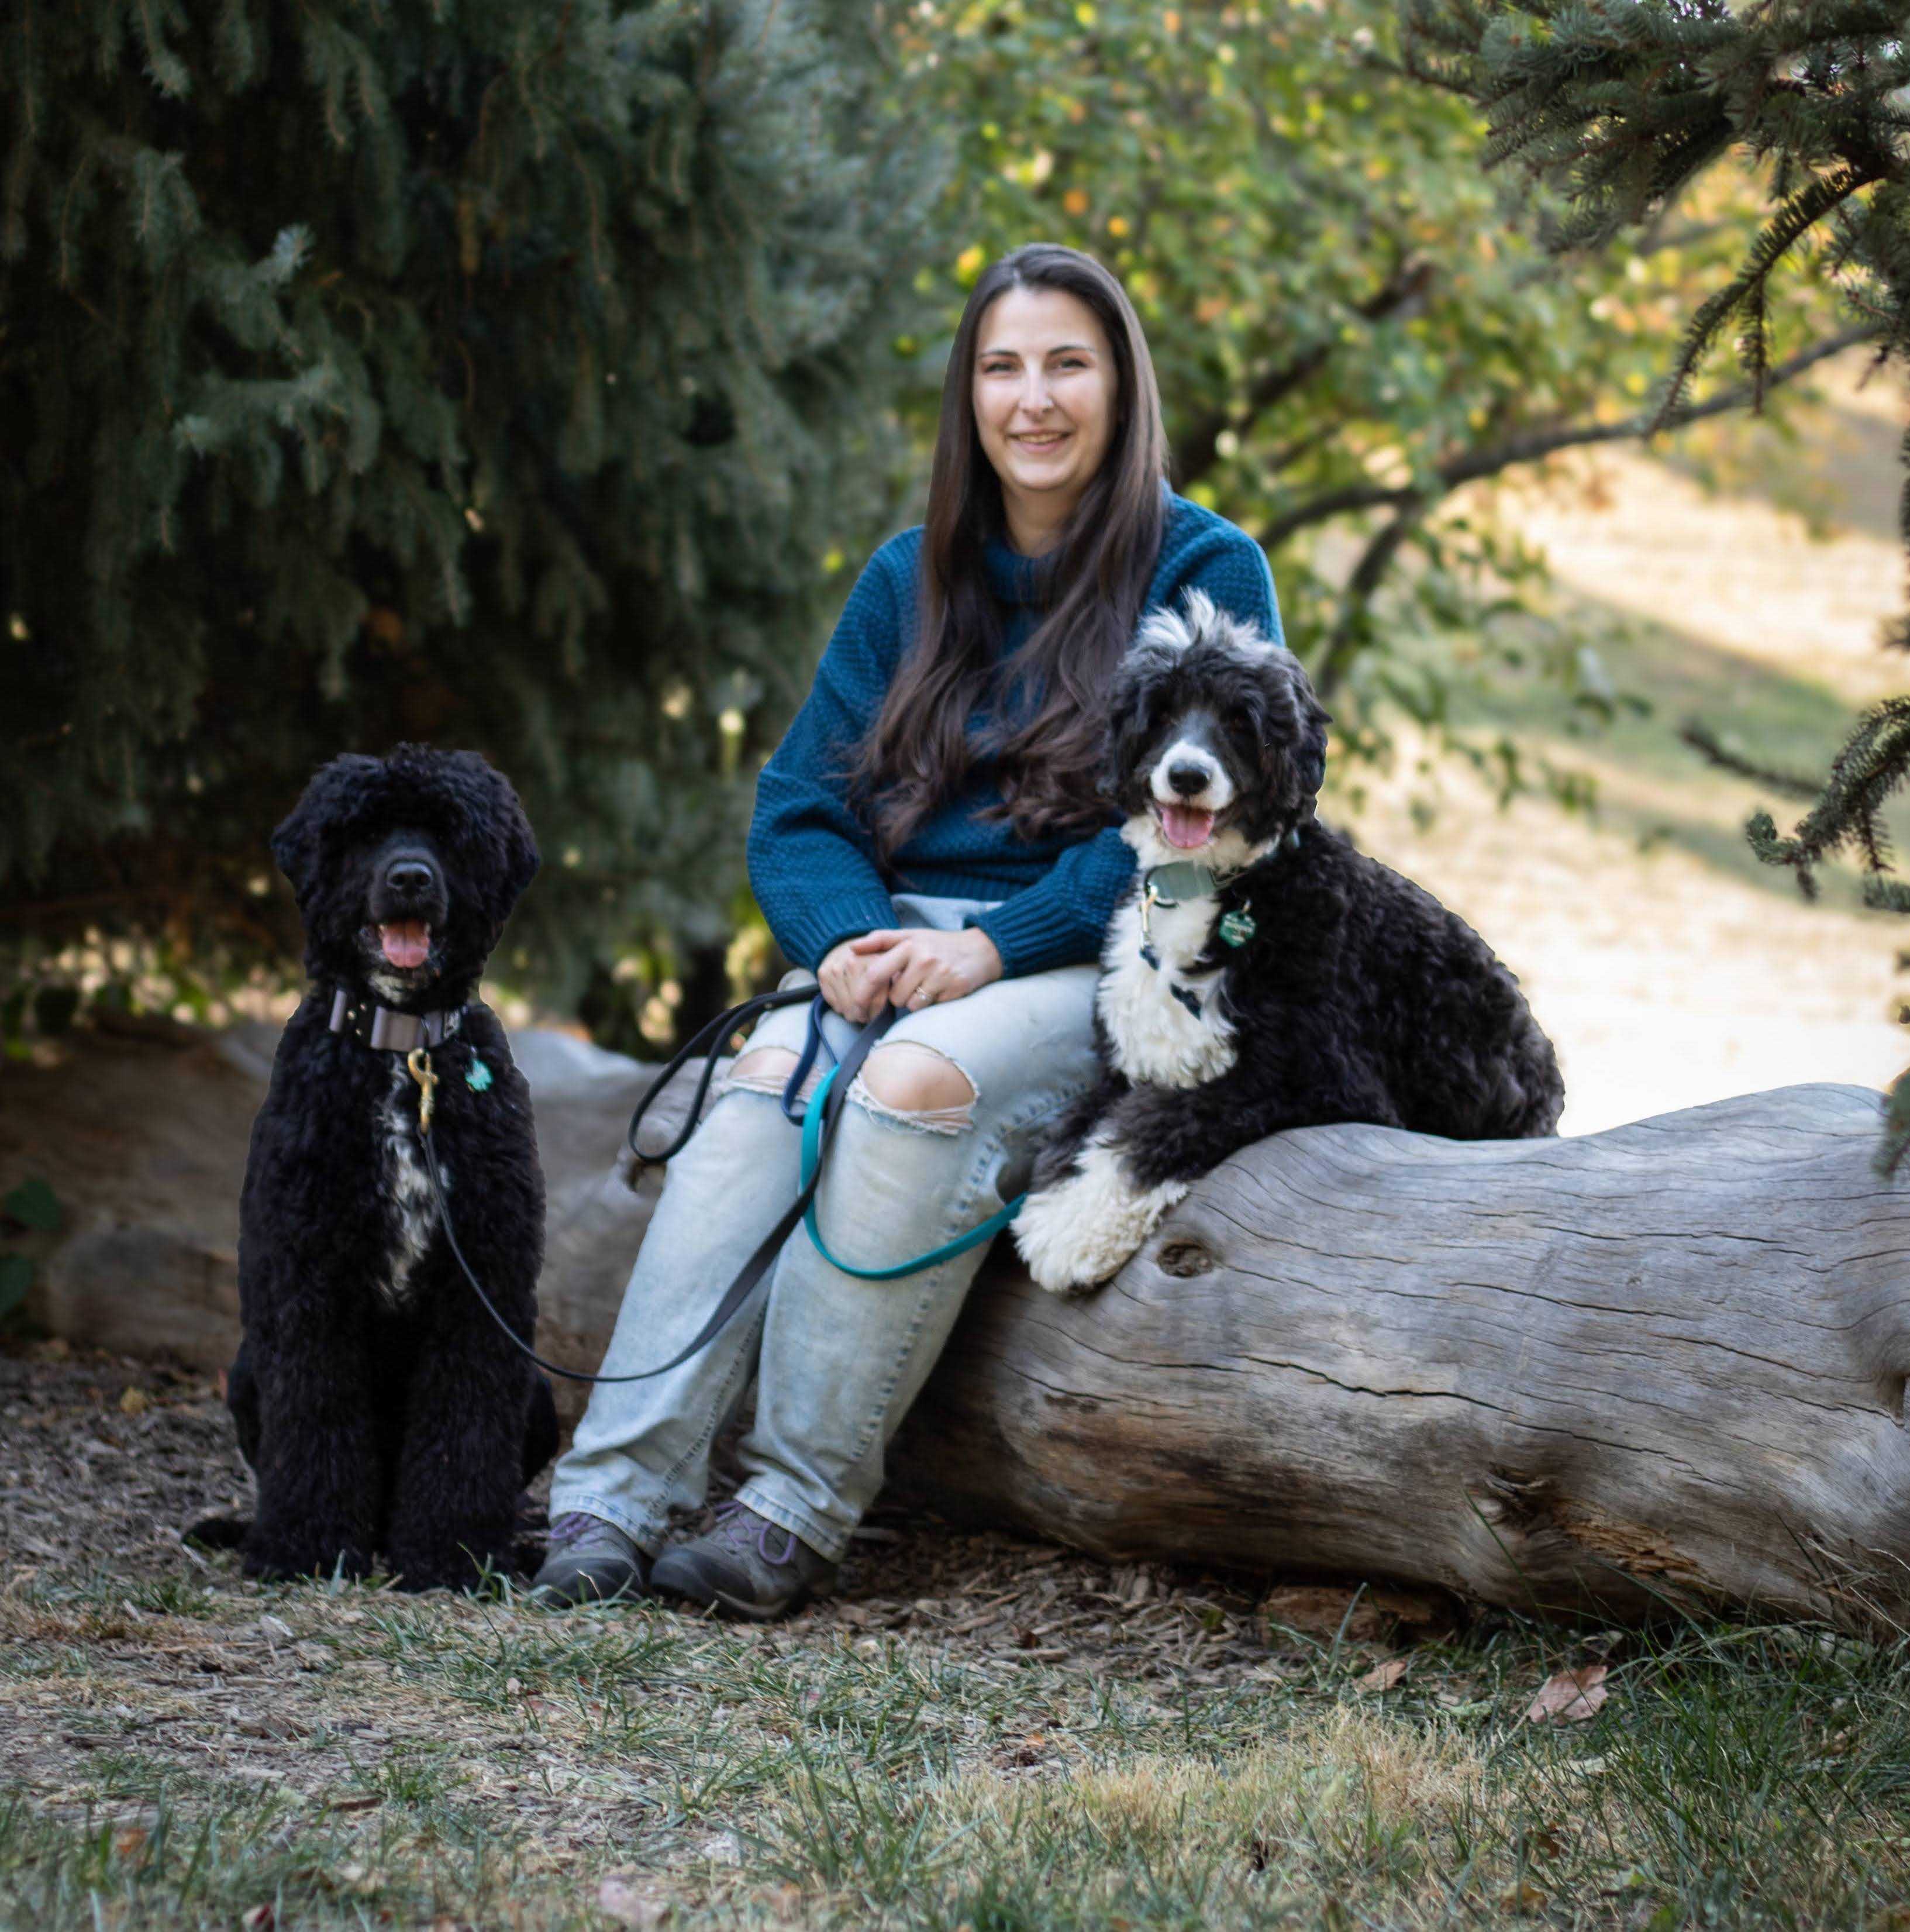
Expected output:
(918, 1084)
(766, 1069)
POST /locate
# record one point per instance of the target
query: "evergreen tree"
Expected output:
(1620, 106)
(488, 374)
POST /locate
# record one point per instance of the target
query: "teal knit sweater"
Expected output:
(812, 861)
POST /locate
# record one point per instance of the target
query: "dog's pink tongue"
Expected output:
(1186, 826)
(406, 942)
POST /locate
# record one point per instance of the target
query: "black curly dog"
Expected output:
(1262, 974)
(382, 1410)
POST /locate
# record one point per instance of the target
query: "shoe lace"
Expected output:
(734, 1522)
(570, 1528)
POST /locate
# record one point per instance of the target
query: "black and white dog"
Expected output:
(380, 1408)
(1262, 974)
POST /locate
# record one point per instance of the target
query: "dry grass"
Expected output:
(977, 1732)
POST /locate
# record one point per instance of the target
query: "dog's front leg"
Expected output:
(1085, 1216)
(460, 1458)
(315, 1451)
(1150, 1145)
(1068, 1133)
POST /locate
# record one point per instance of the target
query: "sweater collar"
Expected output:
(1014, 578)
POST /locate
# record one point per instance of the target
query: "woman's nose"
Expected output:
(1034, 393)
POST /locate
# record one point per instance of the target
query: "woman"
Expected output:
(928, 834)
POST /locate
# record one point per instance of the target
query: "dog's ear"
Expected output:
(1133, 699)
(521, 858)
(1310, 719)
(502, 846)
(297, 841)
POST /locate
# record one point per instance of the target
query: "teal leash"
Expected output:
(812, 1158)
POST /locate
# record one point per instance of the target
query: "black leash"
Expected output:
(706, 1042)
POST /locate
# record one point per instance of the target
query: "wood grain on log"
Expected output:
(1666, 1363)
(1663, 1364)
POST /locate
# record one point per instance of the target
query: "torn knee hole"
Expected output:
(766, 1069)
(907, 1080)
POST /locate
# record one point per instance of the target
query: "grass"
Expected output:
(483, 1764)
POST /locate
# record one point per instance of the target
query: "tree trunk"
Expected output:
(1662, 1364)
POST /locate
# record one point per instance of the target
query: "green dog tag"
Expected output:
(1237, 928)
(477, 1076)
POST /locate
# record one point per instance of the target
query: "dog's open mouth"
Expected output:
(1185, 827)
(405, 943)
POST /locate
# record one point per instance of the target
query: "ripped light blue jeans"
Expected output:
(836, 1361)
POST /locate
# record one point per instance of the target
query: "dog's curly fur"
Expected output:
(1350, 993)
(382, 1412)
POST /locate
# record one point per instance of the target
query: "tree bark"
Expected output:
(1661, 1365)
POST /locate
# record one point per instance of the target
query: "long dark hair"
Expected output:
(918, 751)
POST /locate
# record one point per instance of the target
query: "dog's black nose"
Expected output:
(409, 878)
(1187, 779)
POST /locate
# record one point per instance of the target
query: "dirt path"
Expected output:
(1670, 968)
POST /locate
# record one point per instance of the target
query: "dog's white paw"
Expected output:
(1079, 1232)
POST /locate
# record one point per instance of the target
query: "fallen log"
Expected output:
(1660, 1366)
(1663, 1364)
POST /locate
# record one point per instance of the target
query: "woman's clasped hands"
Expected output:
(909, 967)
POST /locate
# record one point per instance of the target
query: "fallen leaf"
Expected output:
(260, 1918)
(1523, 1897)
(1410, 1607)
(129, 1841)
(632, 1901)
(274, 1630)
(135, 1402)
(358, 1801)
(1320, 1612)
(1383, 1676)
(1569, 1696)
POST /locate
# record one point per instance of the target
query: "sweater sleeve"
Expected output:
(1061, 919)
(812, 863)
(1227, 563)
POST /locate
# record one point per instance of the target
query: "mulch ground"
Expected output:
(148, 1646)
(109, 1460)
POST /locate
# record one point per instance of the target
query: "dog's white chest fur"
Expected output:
(1157, 1037)
(407, 1186)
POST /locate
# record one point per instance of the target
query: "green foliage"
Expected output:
(491, 375)
(31, 1208)
(1350, 321)
(1622, 110)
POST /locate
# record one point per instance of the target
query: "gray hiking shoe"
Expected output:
(747, 1565)
(589, 1560)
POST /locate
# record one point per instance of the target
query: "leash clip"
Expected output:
(419, 1062)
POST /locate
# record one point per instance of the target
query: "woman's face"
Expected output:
(1045, 389)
